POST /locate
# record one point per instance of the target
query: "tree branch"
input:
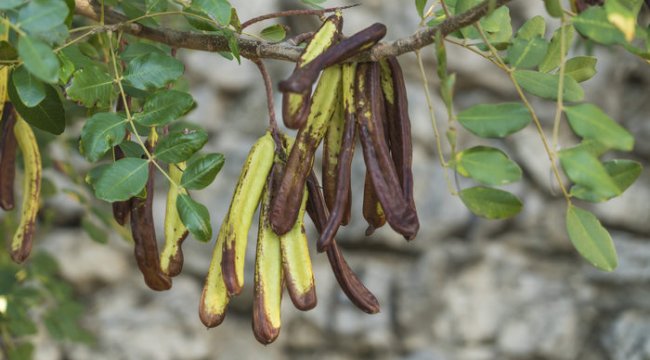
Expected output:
(254, 49)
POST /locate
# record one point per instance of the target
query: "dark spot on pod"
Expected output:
(8, 146)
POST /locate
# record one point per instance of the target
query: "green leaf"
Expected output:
(164, 107)
(623, 172)
(96, 233)
(122, 180)
(153, 71)
(48, 115)
(195, 217)
(274, 33)
(180, 146)
(546, 85)
(100, 133)
(419, 7)
(591, 239)
(593, 24)
(590, 122)
(623, 14)
(487, 165)
(532, 28)
(554, 54)
(218, 10)
(491, 203)
(10, 4)
(92, 86)
(495, 120)
(22, 351)
(30, 89)
(581, 68)
(554, 8)
(585, 169)
(526, 53)
(42, 15)
(139, 49)
(201, 171)
(497, 24)
(39, 59)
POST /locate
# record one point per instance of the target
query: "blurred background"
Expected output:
(466, 288)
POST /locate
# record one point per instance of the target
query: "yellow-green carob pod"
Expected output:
(4, 71)
(268, 277)
(234, 229)
(171, 258)
(21, 244)
(214, 298)
(296, 263)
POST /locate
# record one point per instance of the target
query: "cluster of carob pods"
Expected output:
(351, 100)
(16, 134)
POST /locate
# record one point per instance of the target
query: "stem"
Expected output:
(300, 12)
(560, 88)
(270, 103)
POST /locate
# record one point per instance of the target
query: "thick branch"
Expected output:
(254, 49)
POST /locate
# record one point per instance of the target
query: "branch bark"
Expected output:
(254, 49)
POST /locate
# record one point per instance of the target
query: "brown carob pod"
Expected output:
(303, 78)
(121, 209)
(295, 106)
(353, 288)
(8, 146)
(372, 210)
(399, 214)
(144, 236)
(398, 125)
(286, 202)
(340, 208)
(331, 149)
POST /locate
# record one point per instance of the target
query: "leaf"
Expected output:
(591, 239)
(96, 233)
(42, 15)
(218, 10)
(554, 54)
(195, 217)
(490, 203)
(623, 14)
(92, 86)
(419, 7)
(593, 24)
(487, 165)
(153, 71)
(495, 120)
(101, 133)
(590, 122)
(532, 28)
(584, 169)
(553, 8)
(122, 180)
(10, 4)
(22, 351)
(623, 172)
(48, 115)
(201, 171)
(180, 146)
(164, 107)
(526, 53)
(39, 59)
(139, 49)
(581, 68)
(30, 89)
(274, 33)
(546, 85)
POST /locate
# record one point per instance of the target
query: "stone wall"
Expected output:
(466, 288)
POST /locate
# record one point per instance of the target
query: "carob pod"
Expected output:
(171, 258)
(295, 106)
(332, 145)
(267, 296)
(340, 208)
(8, 146)
(303, 78)
(121, 209)
(372, 210)
(398, 125)
(245, 199)
(353, 288)
(399, 214)
(21, 244)
(144, 237)
(286, 202)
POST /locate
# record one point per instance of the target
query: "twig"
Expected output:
(270, 103)
(253, 49)
(300, 12)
